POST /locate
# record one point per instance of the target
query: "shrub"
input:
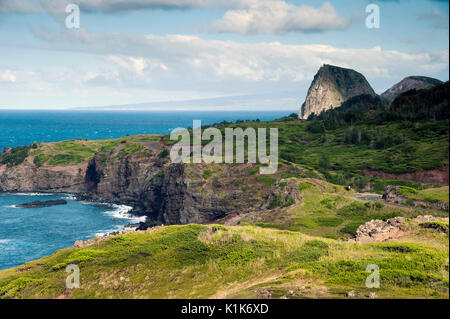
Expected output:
(207, 174)
(164, 153)
(15, 157)
(351, 228)
(37, 161)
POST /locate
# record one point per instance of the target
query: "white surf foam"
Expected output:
(123, 212)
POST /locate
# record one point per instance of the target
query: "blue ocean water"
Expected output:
(18, 128)
(29, 234)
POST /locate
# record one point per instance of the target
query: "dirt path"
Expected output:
(315, 182)
(223, 294)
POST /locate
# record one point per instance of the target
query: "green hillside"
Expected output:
(196, 261)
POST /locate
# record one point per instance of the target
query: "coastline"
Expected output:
(113, 210)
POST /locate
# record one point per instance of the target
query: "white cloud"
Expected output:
(8, 76)
(57, 7)
(188, 62)
(139, 68)
(277, 17)
(17, 6)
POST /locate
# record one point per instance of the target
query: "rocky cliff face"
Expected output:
(164, 192)
(410, 83)
(331, 87)
(28, 178)
(171, 193)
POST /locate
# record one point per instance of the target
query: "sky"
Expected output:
(252, 54)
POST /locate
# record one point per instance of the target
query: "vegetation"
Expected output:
(196, 261)
(327, 210)
(294, 243)
(432, 195)
(15, 156)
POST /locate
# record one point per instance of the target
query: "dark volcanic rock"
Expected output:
(39, 204)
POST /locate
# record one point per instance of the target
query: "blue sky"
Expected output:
(139, 51)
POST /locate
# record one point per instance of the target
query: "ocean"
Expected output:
(29, 234)
(19, 128)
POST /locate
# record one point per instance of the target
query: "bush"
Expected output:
(15, 157)
(164, 153)
(207, 174)
(351, 228)
(37, 161)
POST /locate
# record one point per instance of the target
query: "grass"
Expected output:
(416, 146)
(433, 194)
(77, 151)
(327, 211)
(196, 261)
(132, 149)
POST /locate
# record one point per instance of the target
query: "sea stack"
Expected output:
(331, 87)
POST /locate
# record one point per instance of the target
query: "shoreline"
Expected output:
(116, 211)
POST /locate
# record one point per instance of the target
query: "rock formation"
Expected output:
(379, 231)
(410, 83)
(39, 204)
(164, 192)
(331, 87)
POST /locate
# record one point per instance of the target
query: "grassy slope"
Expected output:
(430, 195)
(330, 211)
(216, 261)
(77, 151)
(196, 261)
(425, 147)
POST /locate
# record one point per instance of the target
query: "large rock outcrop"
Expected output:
(166, 193)
(410, 83)
(331, 87)
(29, 178)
